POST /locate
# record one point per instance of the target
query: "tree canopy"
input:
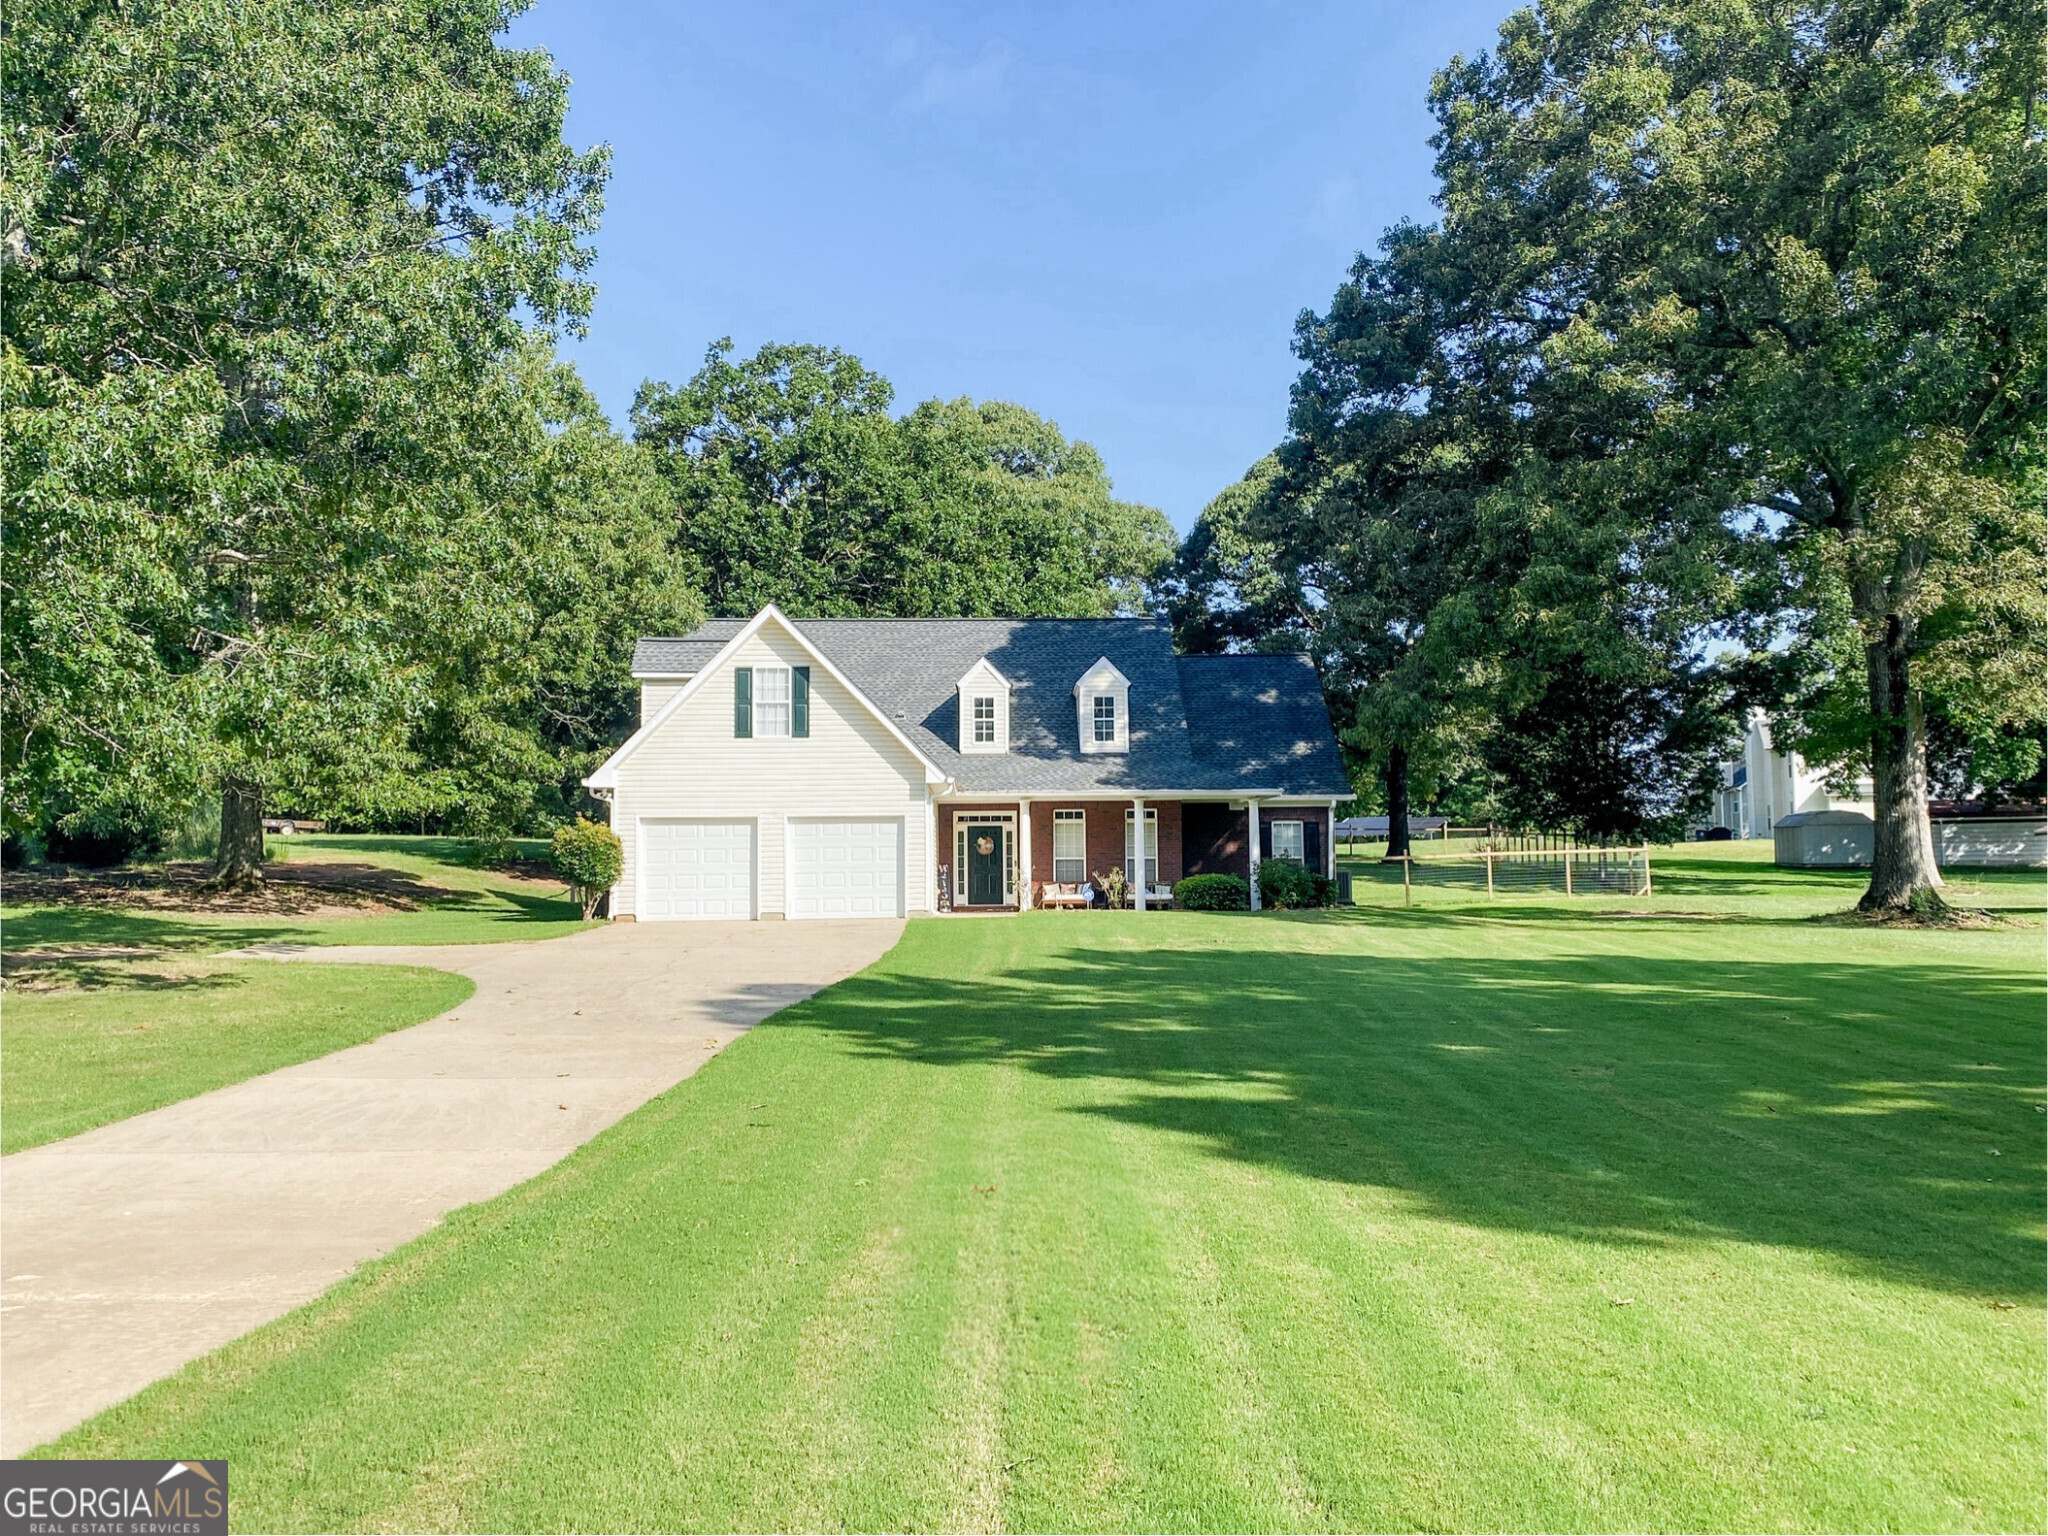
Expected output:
(792, 483)
(1729, 333)
(278, 444)
(1799, 250)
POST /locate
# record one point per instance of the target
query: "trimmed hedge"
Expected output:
(1285, 883)
(1212, 893)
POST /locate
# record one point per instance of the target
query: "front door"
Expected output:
(984, 866)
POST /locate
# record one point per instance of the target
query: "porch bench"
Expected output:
(1060, 897)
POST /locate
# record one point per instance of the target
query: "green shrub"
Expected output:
(1213, 893)
(1285, 883)
(590, 857)
(488, 850)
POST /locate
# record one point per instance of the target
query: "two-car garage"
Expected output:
(711, 869)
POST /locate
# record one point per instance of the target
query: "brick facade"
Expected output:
(1215, 835)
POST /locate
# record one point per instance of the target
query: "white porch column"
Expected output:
(1024, 884)
(1251, 821)
(1137, 843)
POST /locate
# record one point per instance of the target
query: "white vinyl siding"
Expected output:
(653, 696)
(1289, 842)
(848, 768)
(1070, 847)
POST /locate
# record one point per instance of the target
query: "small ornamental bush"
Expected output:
(590, 857)
(1285, 883)
(1213, 893)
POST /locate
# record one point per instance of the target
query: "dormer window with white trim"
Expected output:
(1102, 701)
(984, 696)
(1105, 719)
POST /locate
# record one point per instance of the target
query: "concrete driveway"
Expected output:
(129, 1250)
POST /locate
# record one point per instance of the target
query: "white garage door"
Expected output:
(696, 869)
(846, 868)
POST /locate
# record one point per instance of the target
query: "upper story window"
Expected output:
(1102, 704)
(771, 701)
(984, 702)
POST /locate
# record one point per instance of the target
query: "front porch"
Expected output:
(1013, 855)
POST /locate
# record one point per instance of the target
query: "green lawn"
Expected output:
(1554, 1218)
(139, 1035)
(453, 905)
(126, 1033)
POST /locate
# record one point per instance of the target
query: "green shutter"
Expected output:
(800, 701)
(743, 701)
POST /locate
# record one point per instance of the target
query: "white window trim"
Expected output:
(1006, 824)
(975, 703)
(787, 703)
(983, 681)
(1078, 819)
(1301, 835)
(1102, 681)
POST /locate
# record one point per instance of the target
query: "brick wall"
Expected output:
(1105, 836)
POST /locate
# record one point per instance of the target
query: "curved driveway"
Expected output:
(134, 1248)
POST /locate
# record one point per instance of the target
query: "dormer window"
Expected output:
(1105, 719)
(984, 695)
(1102, 702)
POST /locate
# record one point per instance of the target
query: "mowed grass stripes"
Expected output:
(1388, 1220)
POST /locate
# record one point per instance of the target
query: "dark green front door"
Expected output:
(984, 866)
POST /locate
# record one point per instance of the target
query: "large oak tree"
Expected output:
(264, 261)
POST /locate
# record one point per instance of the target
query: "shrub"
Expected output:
(115, 834)
(590, 857)
(1285, 883)
(489, 850)
(1213, 893)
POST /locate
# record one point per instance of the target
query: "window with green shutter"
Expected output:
(800, 701)
(743, 701)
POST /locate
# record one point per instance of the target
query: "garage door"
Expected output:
(846, 868)
(696, 869)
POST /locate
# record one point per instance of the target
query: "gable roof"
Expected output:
(1188, 730)
(606, 774)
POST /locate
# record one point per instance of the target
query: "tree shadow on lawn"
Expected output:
(91, 926)
(1630, 1101)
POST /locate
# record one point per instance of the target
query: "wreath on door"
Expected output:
(984, 846)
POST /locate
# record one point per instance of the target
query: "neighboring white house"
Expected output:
(1763, 786)
(884, 767)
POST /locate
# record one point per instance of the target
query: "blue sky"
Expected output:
(1110, 214)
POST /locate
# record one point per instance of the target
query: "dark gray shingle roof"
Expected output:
(1257, 721)
(1264, 719)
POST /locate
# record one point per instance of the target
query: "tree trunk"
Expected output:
(1903, 874)
(239, 863)
(1396, 775)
